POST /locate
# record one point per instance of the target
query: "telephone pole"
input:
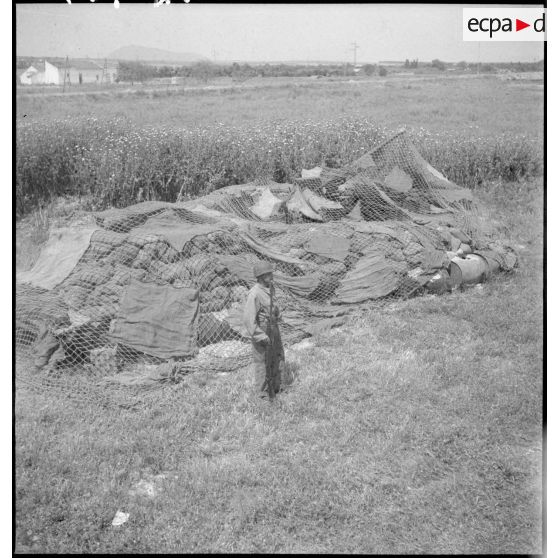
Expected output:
(354, 49)
(66, 74)
(105, 78)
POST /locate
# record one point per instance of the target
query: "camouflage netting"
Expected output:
(156, 290)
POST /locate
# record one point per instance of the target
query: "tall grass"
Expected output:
(116, 163)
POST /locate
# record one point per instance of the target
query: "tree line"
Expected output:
(129, 71)
(138, 71)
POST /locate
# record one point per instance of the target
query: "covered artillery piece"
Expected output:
(160, 281)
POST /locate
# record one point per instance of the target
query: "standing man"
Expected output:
(256, 318)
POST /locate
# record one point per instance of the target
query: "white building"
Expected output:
(42, 73)
(391, 63)
(78, 72)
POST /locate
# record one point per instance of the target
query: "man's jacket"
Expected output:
(256, 312)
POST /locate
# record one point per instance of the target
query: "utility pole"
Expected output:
(354, 49)
(105, 78)
(66, 74)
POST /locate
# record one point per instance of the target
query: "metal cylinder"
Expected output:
(493, 265)
(439, 283)
(465, 249)
(468, 271)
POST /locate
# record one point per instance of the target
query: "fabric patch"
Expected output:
(267, 206)
(355, 213)
(329, 246)
(267, 251)
(159, 320)
(311, 173)
(317, 203)
(398, 180)
(239, 266)
(373, 277)
(175, 230)
(58, 258)
(298, 204)
(434, 259)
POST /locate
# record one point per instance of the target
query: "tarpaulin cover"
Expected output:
(392, 230)
(58, 258)
(373, 277)
(355, 214)
(393, 241)
(159, 320)
(122, 220)
(329, 246)
(311, 173)
(267, 206)
(301, 285)
(205, 212)
(428, 241)
(175, 230)
(272, 227)
(36, 306)
(398, 180)
(318, 203)
(238, 266)
(266, 250)
(435, 259)
(298, 203)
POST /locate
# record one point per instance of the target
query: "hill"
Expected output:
(147, 54)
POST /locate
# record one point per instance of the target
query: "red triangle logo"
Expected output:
(519, 25)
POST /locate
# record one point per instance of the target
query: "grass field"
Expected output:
(121, 149)
(465, 106)
(415, 429)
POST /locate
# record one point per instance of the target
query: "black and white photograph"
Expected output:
(280, 278)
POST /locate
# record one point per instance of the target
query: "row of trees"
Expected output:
(139, 72)
(491, 67)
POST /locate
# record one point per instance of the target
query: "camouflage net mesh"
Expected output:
(117, 308)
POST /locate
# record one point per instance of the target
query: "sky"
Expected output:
(260, 32)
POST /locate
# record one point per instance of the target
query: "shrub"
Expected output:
(438, 64)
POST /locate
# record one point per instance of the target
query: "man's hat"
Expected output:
(262, 268)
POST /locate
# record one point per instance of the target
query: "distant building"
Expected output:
(78, 72)
(393, 63)
(39, 74)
